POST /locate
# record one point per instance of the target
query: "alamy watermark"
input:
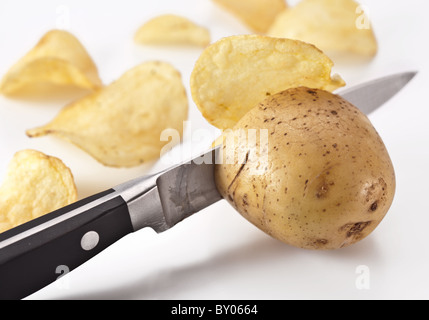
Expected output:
(234, 147)
(363, 20)
(363, 279)
(63, 21)
(62, 282)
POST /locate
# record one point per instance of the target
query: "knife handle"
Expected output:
(33, 255)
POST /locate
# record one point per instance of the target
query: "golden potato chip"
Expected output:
(35, 184)
(256, 14)
(172, 29)
(234, 74)
(331, 25)
(59, 59)
(120, 125)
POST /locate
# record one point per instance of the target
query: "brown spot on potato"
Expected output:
(316, 244)
(374, 206)
(245, 202)
(355, 229)
(322, 190)
(375, 194)
(321, 242)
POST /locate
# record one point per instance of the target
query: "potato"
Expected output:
(328, 180)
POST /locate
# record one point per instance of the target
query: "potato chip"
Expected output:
(172, 29)
(331, 25)
(59, 59)
(256, 14)
(35, 184)
(234, 74)
(120, 125)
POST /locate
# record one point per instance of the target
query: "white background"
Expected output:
(216, 254)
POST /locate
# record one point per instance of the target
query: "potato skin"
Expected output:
(328, 181)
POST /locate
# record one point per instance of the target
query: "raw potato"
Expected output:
(236, 73)
(121, 124)
(59, 59)
(328, 181)
(256, 14)
(172, 29)
(334, 26)
(35, 184)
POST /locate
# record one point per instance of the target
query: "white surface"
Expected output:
(216, 254)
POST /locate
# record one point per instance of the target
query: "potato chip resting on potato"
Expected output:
(258, 15)
(35, 184)
(121, 124)
(236, 73)
(59, 59)
(331, 25)
(170, 29)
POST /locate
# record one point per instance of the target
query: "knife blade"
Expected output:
(371, 95)
(30, 254)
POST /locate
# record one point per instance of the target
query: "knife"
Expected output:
(31, 254)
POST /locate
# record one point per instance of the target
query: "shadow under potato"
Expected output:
(251, 264)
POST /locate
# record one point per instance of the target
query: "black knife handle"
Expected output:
(34, 261)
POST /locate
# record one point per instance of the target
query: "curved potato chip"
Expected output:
(120, 125)
(35, 184)
(172, 29)
(234, 74)
(256, 14)
(58, 59)
(331, 25)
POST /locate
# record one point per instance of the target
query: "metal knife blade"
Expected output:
(188, 188)
(371, 95)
